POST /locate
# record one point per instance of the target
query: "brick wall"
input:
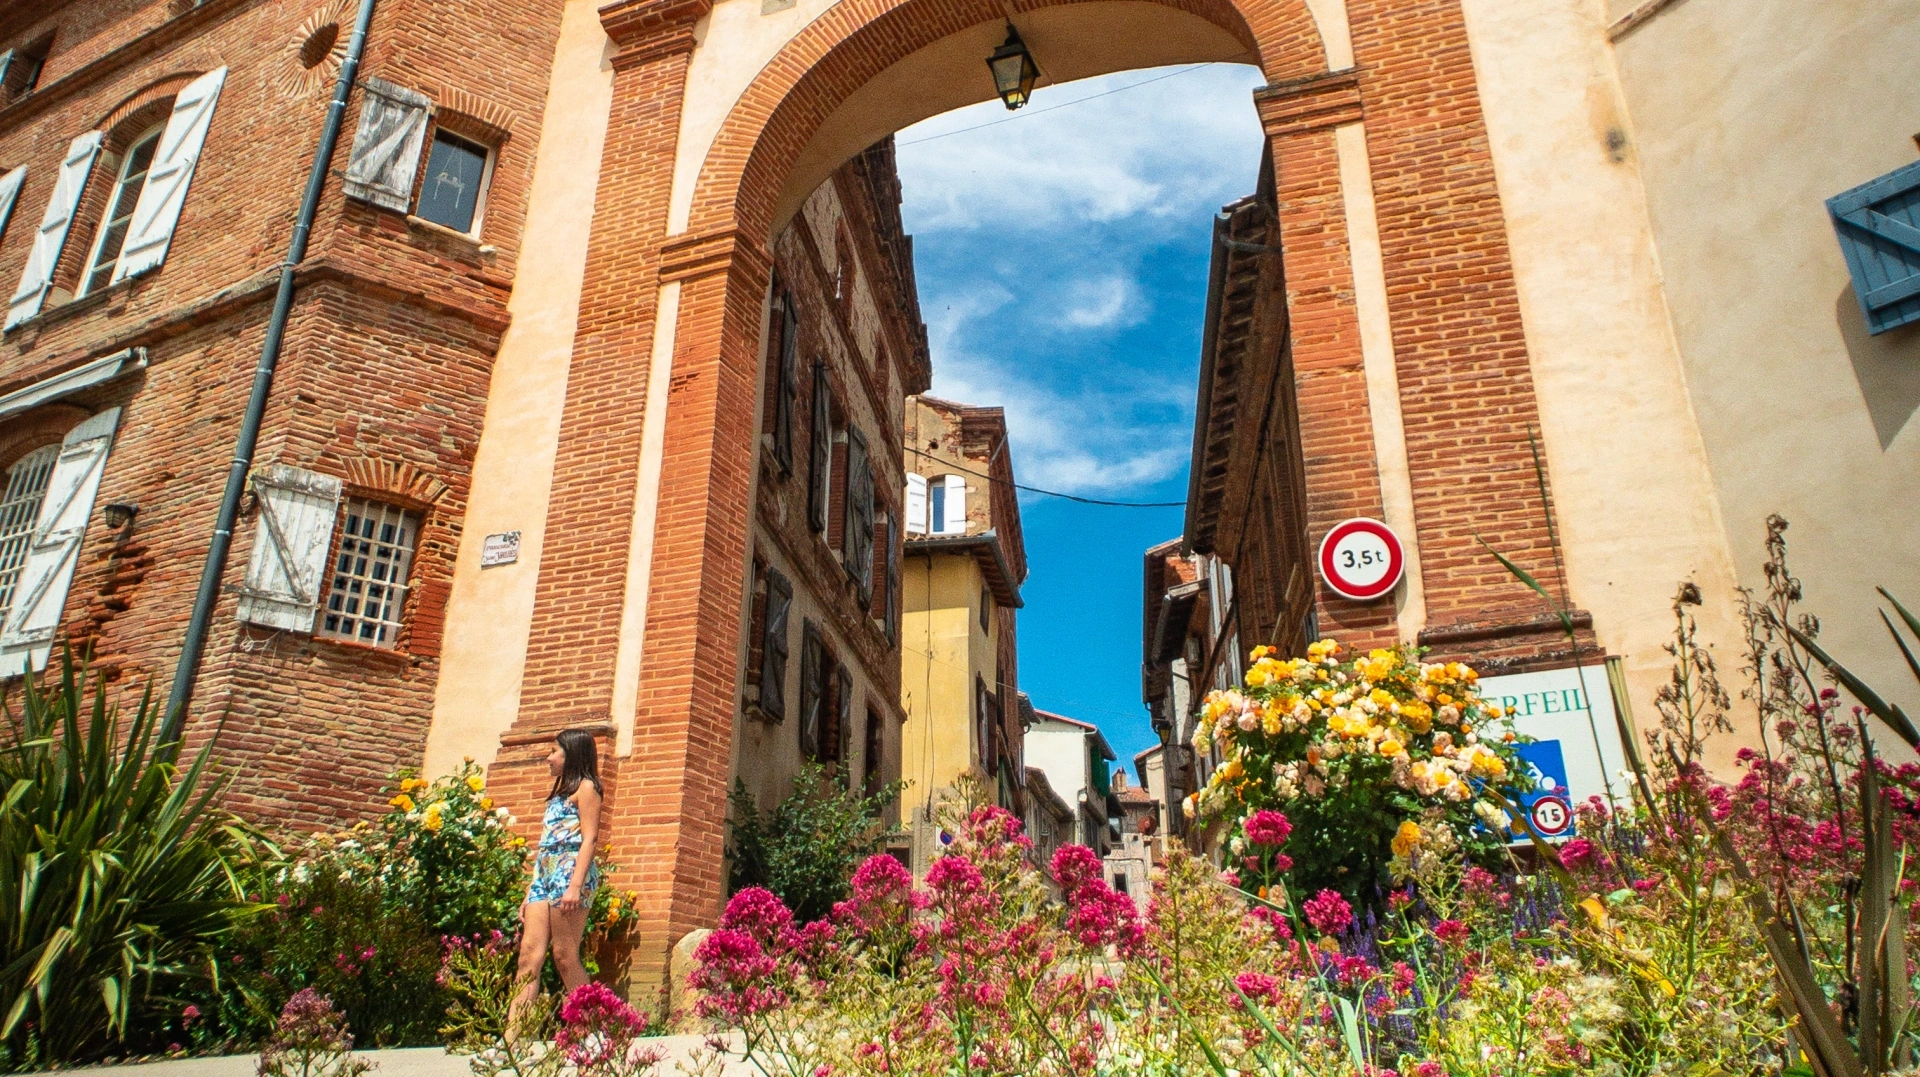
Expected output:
(382, 380)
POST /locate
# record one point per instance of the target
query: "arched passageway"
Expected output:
(1398, 290)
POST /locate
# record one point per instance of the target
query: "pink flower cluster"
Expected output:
(1098, 915)
(597, 1034)
(1268, 827)
(1328, 912)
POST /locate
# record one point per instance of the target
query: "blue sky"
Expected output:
(1062, 263)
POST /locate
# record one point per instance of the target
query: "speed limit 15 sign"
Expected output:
(1361, 559)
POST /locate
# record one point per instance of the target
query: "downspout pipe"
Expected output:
(195, 644)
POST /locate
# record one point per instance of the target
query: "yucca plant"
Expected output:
(116, 866)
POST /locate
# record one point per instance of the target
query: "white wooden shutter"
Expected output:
(386, 145)
(9, 194)
(291, 537)
(53, 229)
(41, 593)
(166, 189)
(916, 504)
(956, 521)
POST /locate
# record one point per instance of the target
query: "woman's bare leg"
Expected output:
(567, 928)
(535, 931)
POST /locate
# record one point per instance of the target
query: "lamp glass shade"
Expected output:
(1014, 71)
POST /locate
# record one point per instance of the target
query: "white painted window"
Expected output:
(916, 504)
(292, 529)
(952, 513)
(19, 508)
(37, 278)
(157, 212)
(39, 595)
(370, 574)
(112, 233)
(10, 185)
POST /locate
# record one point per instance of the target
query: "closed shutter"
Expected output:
(955, 522)
(893, 593)
(916, 504)
(842, 716)
(9, 194)
(882, 598)
(812, 663)
(1879, 228)
(786, 381)
(52, 236)
(291, 537)
(41, 591)
(386, 145)
(773, 647)
(820, 451)
(158, 210)
(859, 524)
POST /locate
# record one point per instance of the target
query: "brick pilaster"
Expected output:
(1336, 428)
(569, 669)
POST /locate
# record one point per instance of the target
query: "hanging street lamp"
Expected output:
(1013, 70)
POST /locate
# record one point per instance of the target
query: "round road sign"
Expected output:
(1551, 816)
(1361, 559)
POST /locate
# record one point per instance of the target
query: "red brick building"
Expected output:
(153, 155)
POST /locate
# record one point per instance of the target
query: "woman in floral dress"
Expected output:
(565, 876)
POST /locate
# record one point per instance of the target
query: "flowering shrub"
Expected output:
(804, 849)
(1373, 759)
(1635, 963)
(310, 1040)
(445, 849)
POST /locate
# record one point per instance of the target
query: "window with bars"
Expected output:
(19, 509)
(369, 586)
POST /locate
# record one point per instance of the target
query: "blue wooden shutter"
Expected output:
(1879, 228)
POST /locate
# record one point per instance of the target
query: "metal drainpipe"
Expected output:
(209, 592)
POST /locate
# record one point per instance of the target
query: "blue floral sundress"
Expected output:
(559, 852)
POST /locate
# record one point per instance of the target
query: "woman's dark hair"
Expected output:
(582, 763)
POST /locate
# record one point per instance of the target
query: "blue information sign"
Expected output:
(1545, 797)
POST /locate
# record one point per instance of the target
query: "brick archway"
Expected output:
(685, 303)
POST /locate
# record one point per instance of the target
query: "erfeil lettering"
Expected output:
(1528, 704)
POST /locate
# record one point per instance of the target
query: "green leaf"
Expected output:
(1890, 713)
(1521, 574)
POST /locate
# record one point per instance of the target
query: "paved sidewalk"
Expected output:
(403, 1062)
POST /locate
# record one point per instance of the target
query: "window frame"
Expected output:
(84, 286)
(491, 154)
(401, 622)
(51, 452)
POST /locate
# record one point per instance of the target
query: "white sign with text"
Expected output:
(1554, 705)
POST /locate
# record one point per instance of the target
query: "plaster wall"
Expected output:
(1745, 119)
(490, 612)
(1061, 752)
(1634, 498)
(942, 650)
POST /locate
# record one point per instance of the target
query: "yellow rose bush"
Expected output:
(1372, 759)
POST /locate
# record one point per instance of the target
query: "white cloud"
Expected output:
(1105, 303)
(1064, 161)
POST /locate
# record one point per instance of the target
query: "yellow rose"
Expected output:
(432, 821)
(403, 802)
(1406, 838)
(476, 783)
(486, 803)
(1260, 652)
(1390, 747)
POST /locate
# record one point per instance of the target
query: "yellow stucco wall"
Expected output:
(943, 650)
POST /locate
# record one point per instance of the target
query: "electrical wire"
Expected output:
(948, 465)
(1055, 108)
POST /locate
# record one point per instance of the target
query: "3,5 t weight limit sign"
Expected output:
(1361, 559)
